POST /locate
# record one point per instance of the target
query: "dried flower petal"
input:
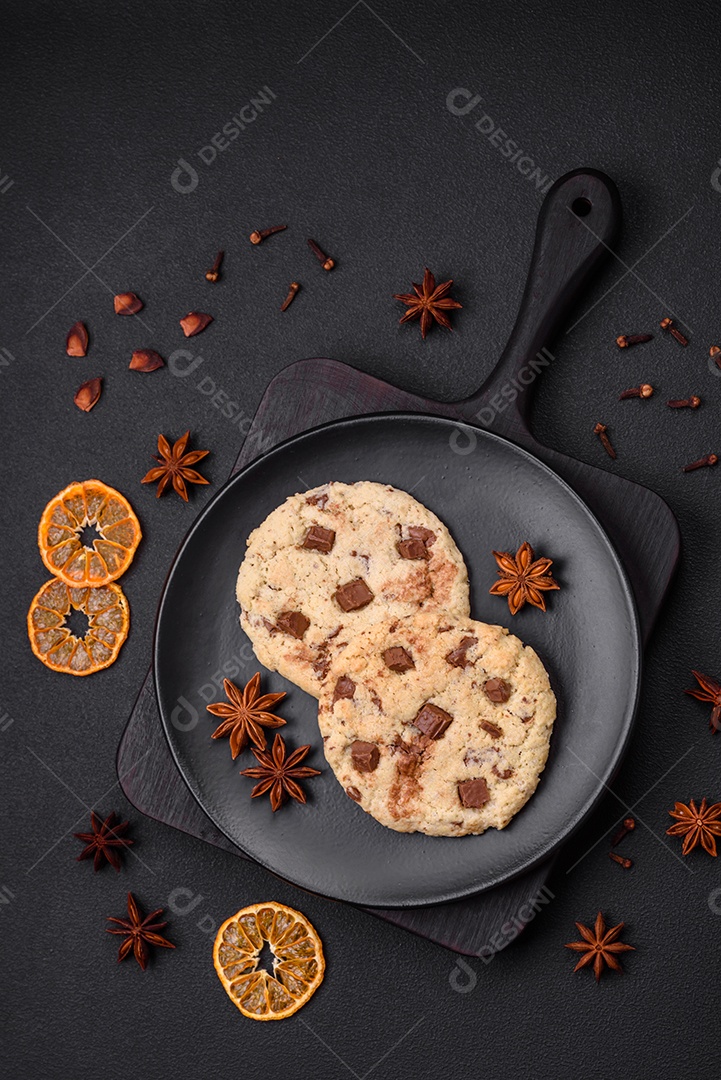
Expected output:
(76, 343)
(127, 303)
(195, 322)
(88, 395)
(146, 360)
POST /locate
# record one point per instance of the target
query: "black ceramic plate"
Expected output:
(494, 496)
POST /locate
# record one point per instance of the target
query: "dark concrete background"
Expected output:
(357, 148)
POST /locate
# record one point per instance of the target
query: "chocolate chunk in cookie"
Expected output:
(353, 793)
(419, 532)
(344, 688)
(365, 756)
(408, 756)
(497, 690)
(493, 729)
(397, 659)
(474, 793)
(433, 721)
(504, 774)
(319, 539)
(353, 596)
(293, 623)
(321, 664)
(457, 657)
(412, 549)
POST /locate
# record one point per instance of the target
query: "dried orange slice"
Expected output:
(298, 966)
(90, 503)
(52, 641)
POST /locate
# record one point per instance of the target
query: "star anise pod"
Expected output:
(710, 690)
(599, 946)
(521, 579)
(101, 843)
(175, 466)
(428, 303)
(278, 773)
(245, 714)
(700, 825)
(139, 933)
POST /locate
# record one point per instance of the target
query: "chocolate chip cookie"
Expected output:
(333, 561)
(437, 724)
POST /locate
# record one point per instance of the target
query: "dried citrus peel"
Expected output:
(51, 639)
(298, 965)
(90, 503)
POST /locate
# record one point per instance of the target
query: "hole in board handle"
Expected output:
(581, 207)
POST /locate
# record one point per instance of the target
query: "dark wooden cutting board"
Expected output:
(579, 220)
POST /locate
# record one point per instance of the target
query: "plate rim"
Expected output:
(603, 781)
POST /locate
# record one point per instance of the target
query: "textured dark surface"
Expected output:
(359, 149)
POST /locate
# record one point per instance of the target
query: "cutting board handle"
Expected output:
(577, 228)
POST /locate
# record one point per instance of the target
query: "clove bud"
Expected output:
(708, 459)
(292, 290)
(627, 825)
(600, 430)
(625, 340)
(213, 274)
(321, 256)
(258, 236)
(668, 325)
(643, 391)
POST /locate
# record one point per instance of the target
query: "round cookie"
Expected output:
(437, 725)
(331, 562)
